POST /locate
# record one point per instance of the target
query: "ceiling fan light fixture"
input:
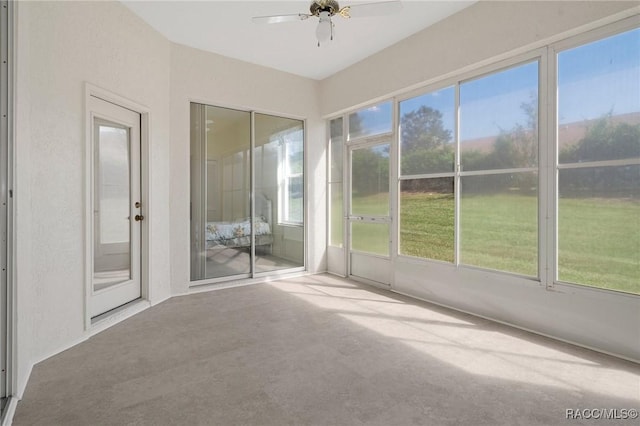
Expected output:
(324, 31)
(324, 10)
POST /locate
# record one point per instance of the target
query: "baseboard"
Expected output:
(372, 283)
(118, 315)
(56, 352)
(10, 411)
(164, 299)
(18, 392)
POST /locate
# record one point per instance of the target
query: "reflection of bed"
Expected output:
(238, 233)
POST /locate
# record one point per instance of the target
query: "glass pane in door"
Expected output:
(220, 192)
(370, 181)
(369, 219)
(370, 238)
(279, 193)
(112, 250)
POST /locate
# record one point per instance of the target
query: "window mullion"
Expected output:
(456, 180)
(550, 171)
(601, 163)
(544, 146)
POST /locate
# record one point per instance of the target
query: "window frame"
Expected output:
(547, 165)
(331, 180)
(611, 30)
(536, 55)
(539, 56)
(454, 83)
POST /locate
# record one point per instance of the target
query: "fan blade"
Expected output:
(276, 19)
(371, 9)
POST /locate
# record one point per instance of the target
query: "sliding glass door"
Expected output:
(247, 204)
(220, 183)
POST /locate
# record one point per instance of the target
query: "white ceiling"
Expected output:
(225, 27)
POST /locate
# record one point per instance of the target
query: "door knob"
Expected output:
(138, 217)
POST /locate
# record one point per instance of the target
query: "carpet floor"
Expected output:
(321, 350)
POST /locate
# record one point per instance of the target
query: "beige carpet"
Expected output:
(320, 350)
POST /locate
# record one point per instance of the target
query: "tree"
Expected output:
(370, 171)
(513, 148)
(423, 128)
(425, 143)
(518, 147)
(604, 140)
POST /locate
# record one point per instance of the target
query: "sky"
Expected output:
(593, 80)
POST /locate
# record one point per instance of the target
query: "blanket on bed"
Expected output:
(222, 231)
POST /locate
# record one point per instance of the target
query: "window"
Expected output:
(499, 177)
(427, 158)
(291, 176)
(497, 193)
(427, 213)
(482, 182)
(371, 121)
(278, 176)
(598, 207)
(336, 145)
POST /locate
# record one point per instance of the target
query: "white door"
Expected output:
(116, 205)
(369, 219)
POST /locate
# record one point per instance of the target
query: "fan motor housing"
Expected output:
(330, 6)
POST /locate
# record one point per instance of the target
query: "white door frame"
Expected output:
(112, 256)
(145, 242)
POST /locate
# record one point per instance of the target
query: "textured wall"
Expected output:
(61, 46)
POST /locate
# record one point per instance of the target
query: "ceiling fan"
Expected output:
(324, 10)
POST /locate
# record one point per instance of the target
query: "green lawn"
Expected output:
(426, 225)
(599, 239)
(500, 232)
(374, 205)
(599, 243)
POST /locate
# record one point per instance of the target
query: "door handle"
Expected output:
(138, 217)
